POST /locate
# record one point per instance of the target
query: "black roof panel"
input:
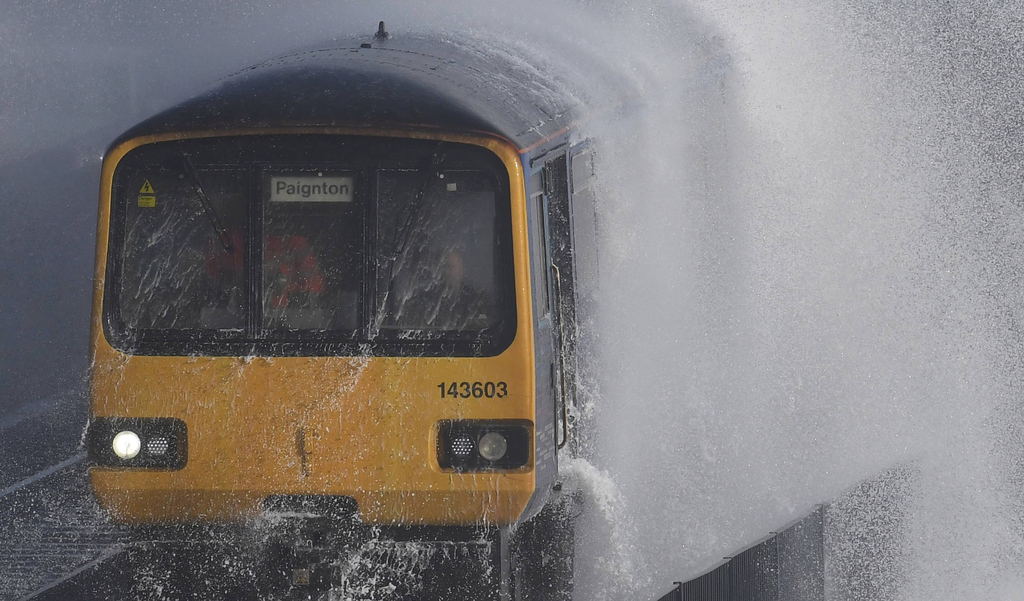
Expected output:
(414, 81)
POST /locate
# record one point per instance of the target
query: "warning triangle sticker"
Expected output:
(147, 188)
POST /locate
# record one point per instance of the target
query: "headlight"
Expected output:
(126, 444)
(471, 445)
(138, 442)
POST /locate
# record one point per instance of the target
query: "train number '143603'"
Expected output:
(476, 390)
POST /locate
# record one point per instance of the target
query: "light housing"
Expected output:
(162, 442)
(475, 445)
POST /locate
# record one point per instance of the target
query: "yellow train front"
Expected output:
(336, 277)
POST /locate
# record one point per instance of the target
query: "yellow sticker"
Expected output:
(148, 201)
(147, 188)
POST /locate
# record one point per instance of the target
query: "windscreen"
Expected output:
(313, 252)
(439, 272)
(182, 275)
(310, 245)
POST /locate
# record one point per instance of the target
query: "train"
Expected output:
(341, 292)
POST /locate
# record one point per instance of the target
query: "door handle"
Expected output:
(557, 281)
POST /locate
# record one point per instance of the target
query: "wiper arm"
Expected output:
(211, 213)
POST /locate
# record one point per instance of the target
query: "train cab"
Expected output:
(349, 274)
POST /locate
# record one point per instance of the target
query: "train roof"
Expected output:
(408, 81)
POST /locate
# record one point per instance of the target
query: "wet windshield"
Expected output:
(178, 274)
(346, 250)
(442, 277)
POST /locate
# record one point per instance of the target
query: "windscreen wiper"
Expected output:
(211, 213)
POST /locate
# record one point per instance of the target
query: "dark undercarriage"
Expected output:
(302, 550)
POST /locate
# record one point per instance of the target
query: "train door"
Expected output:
(573, 227)
(545, 338)
(563, 290)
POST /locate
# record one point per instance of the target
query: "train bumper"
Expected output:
(140, 497)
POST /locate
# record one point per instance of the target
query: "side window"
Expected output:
(539, 235)
(585, 225)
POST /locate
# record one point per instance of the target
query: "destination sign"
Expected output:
(310, 188)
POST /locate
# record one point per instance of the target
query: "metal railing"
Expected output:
(787, 566)
(850, 548)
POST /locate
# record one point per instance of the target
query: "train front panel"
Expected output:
(308, 312)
